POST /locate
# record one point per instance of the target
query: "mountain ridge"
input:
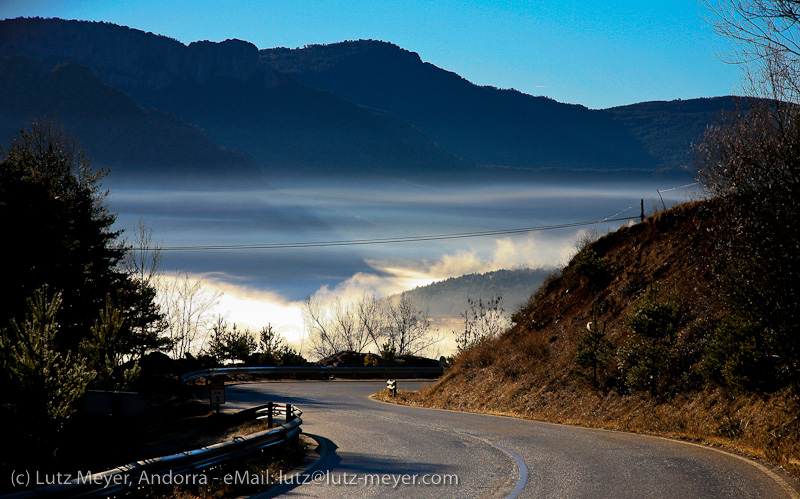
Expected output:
(127, 57)
(117, 131)
(357, 108)
(283, 125)
(485, 124)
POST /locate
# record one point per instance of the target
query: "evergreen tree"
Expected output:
(40, 385)
(57, 230)
(594, 352)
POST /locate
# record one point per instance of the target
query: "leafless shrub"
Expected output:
(188, 309)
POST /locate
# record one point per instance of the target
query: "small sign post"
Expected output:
(391, 385)
(217, 394)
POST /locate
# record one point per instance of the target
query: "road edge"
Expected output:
(321, 450)
(793, 490)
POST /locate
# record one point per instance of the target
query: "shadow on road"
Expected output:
(333, 469)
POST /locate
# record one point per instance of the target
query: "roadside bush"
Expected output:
(595, 268)
(736, 356)
(388, 351)
(370, 361)
(105, 353)
(760, 275)
(482, 319)
(230, 344)
(651, 358)
(595, 354)
(274, 352)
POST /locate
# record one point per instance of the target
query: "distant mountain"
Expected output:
(668, 129)
(128, 58)
(288, 128)
(291, 129)
(448, 298)
(352, 109)
(485, 125)
(110, 126)
(501, 127)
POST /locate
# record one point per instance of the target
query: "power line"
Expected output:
(387, 240)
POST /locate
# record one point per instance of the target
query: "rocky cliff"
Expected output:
(129, 58)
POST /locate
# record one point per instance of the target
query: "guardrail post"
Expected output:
(289, 413)
(269, 414)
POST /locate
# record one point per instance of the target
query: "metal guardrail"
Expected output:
(131, 476)
(399, 371)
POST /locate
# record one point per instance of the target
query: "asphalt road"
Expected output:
(370, 448)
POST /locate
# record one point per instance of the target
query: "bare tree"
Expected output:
(372, 317)
(767, 33)
(142, 262)
(754, 150)
(335, 329)
(757, 147)
(188, 309)
(321, 337)
(408, 328)
(348, 326)
(482, 319)
(143, 257)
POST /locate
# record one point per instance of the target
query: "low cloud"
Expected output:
(245, 306)
(394, 276)
(252, 307)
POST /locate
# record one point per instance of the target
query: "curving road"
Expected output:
(369, 448)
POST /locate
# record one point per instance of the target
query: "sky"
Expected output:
(599, 54)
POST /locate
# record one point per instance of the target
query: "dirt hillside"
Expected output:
(531, 370)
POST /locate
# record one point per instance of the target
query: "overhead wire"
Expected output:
(382, 241)
(224, 248)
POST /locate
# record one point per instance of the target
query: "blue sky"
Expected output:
(599, 54)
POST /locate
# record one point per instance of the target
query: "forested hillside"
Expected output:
(448, 298)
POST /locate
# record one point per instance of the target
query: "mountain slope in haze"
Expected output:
(112, 128)
(448, 298)
(485, 125)
(289, 128)
(667, 130)
(285, 126)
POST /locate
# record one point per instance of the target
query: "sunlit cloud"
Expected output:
(245, 306)
(394, 276)
(254, 308)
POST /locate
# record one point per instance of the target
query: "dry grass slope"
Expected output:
(529, 370)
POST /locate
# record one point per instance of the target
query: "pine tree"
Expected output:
(57, 230)
(40, 384)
